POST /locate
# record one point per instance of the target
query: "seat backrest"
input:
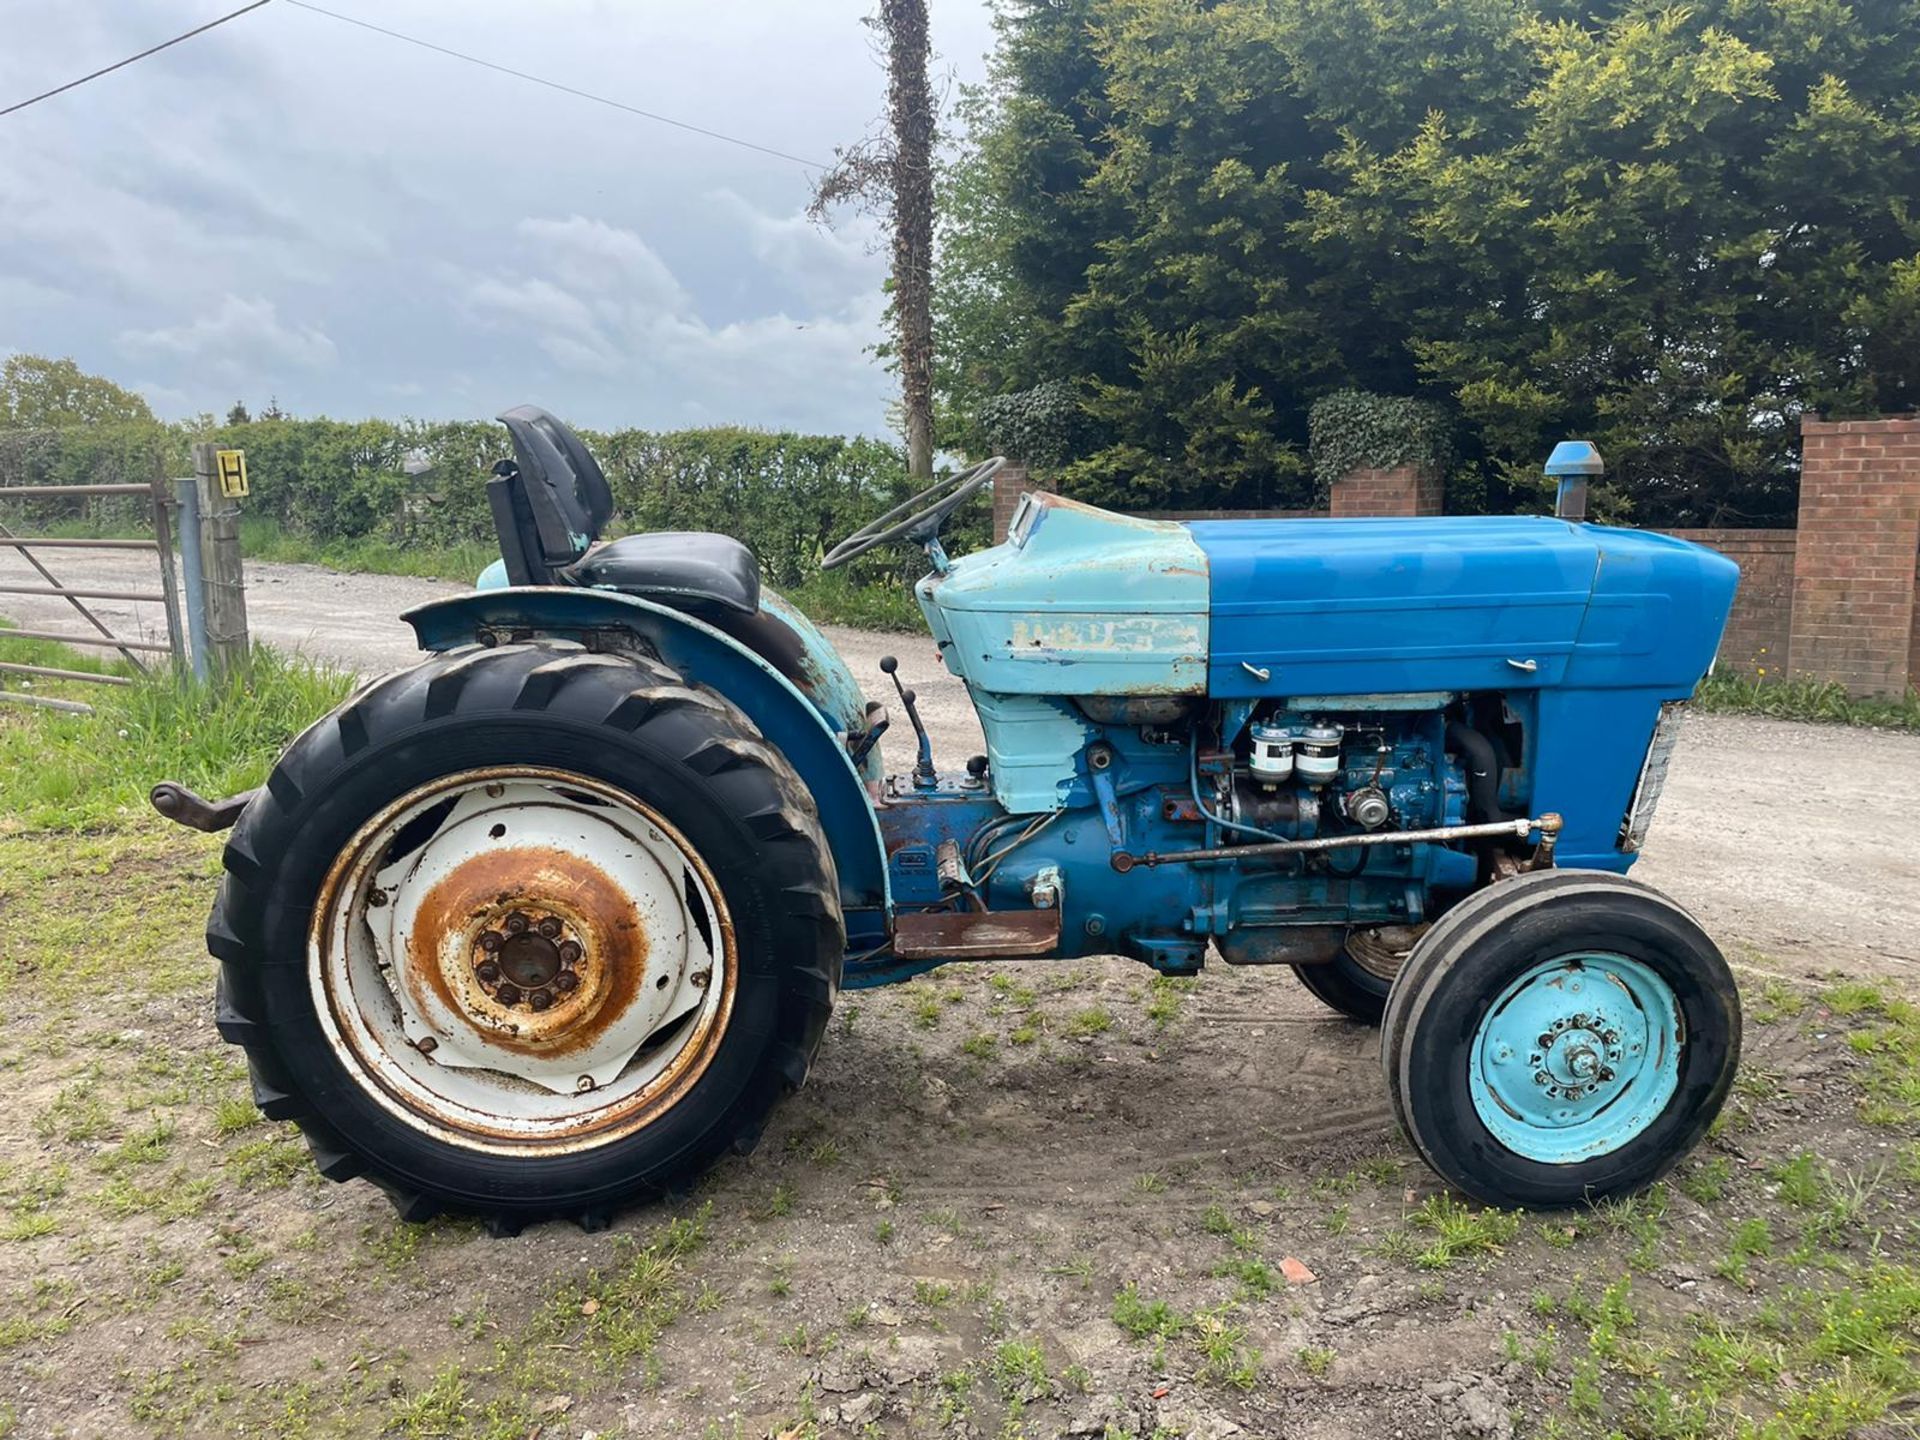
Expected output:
(550, 502)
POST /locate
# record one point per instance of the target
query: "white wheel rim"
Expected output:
(516, 959)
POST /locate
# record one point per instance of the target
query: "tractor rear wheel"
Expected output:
(1343, 984)
(1357, 980)
(527, 931)
(1560, 1037)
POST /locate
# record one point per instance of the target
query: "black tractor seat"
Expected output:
(550, 503)
(690, 570)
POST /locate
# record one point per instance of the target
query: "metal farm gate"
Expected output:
(139, 649)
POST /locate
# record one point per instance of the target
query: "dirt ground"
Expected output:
(1024, 1200)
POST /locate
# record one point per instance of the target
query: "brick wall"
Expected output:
(1854, 578)
(1009, 482)
(1913, 649)
(1404, 490)
(1761, 623)
(1228, 514)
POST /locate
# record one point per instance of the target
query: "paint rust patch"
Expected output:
(444, 948)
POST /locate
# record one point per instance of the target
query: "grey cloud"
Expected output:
(237, 332)
(288, 206)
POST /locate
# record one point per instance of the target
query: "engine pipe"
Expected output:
(1483, 770)
(1547, 825)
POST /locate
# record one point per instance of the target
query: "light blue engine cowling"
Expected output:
(1123, 670)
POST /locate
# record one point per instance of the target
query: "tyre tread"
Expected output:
(646, 701)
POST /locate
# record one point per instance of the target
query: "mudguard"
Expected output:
(808, 729)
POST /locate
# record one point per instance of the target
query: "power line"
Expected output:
(554, 85)
(121, 65)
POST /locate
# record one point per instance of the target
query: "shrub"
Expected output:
(1357, 430)
(334, 483)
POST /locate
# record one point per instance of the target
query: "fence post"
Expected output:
(163, 541)
(223, 581)
(194, 576)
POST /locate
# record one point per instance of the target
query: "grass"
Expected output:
(1317, 1361)
(1890, 1041)
(1804, 699)
(61, 772)
(1165, 995)
(66, 928)
(1819, 1363)
(264, 539)
(1452, 1230)
(830, 598)
(1219, 1345)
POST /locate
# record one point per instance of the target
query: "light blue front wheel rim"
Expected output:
(1577, 1057)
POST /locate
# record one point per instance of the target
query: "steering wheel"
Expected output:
(919, 519)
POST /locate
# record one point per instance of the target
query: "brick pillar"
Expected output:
(1856, 590)
(1009, 483)
(1403, 490)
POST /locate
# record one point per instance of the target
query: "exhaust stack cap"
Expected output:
(1573, 463)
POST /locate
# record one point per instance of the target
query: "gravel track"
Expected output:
(1797, 845)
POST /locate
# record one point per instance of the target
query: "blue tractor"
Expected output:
(553, 919)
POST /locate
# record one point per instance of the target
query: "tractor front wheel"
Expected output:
(1560, 1037)
(527, 931)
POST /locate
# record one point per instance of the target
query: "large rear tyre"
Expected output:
(526, 932)
(1357, 980)
(1343, 984)
(1560, 1037)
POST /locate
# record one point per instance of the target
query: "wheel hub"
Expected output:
(523, 955)
(529, 959)
(1576, 1056)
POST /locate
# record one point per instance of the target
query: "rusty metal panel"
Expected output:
(971, 935)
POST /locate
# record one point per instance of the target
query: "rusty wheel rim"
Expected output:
(520, 960)
(1382, 950)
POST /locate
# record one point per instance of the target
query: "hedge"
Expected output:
(787, 496)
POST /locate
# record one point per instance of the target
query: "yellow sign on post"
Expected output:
(233, 473)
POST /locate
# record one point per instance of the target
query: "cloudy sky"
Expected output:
(292, 207)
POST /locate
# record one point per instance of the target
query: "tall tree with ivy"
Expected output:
(1668, 230)
(895, 174)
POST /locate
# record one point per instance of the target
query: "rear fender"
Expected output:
(789, 719)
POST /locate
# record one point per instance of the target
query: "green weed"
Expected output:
(1460, 1230)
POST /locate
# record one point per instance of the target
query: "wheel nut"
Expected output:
(487, 971)
(508, 994)
(550, 927)
(569, 951)
(565, 982)
(492, 940)
(516, 923)
(540, 999)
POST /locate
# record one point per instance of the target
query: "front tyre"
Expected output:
(527, 931)
(1560, 1037)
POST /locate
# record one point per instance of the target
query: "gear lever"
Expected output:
(923, 775)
